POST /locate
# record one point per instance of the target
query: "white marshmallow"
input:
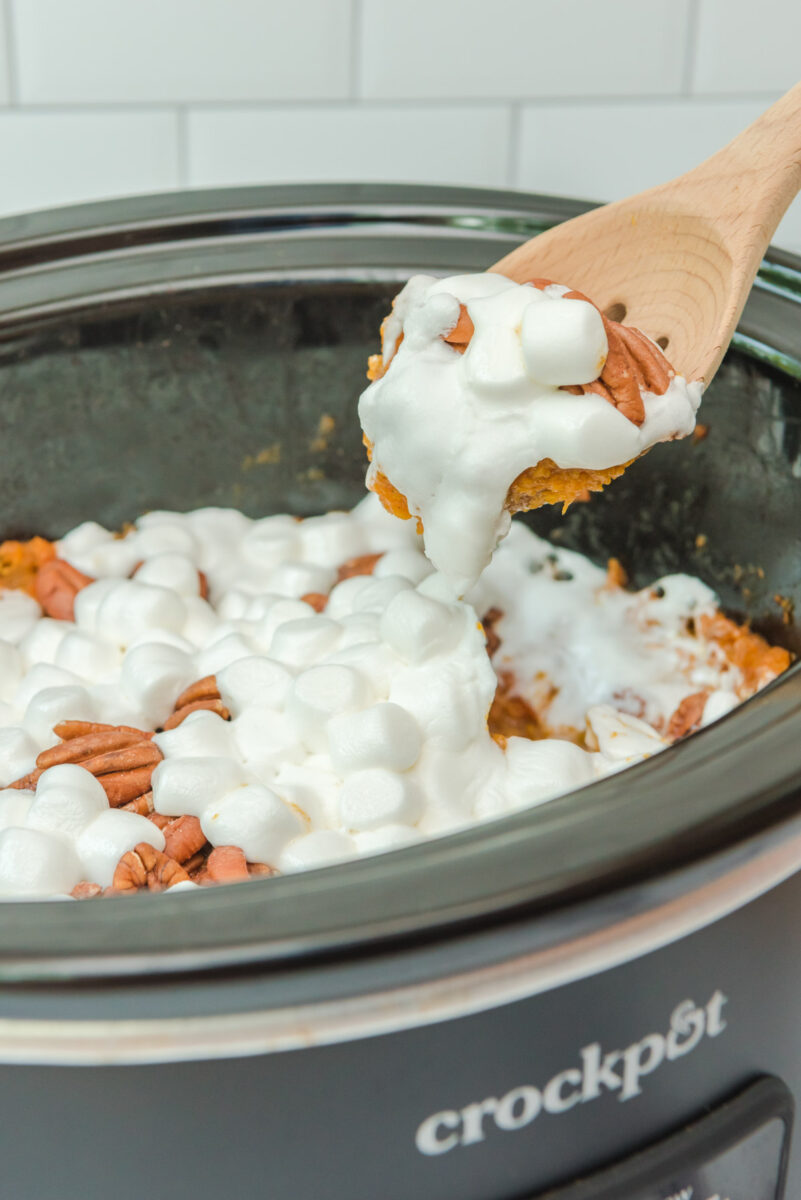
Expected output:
(199, 735)
(176, 572)
(409, 563)
(358, 628)
(223, 653)
(39, 677)
(201, 620)
(15, 804)
(370, 799)
(41, 644)
(296, 579)
(18, 753)
(101, 845)
(33, 863)
(163, 533)
(67, 799)
(131, 608)
(622, 738)
(189, 785)
(538, 771)
(12, 669)
(278, 613)
(254, 818)
(153, 676)
(331, 540)
(311, 787)
(383, 735)
(418, 628)
(298, 644)
(374, 661)
(88, 656)
(342, 598)
(264, 739)
(253, 680)
(52, 705)
(317, 849)
(378, 593)
(318, 694)
(271, 541)
(563, 342)
(388, 837)
(18, 614)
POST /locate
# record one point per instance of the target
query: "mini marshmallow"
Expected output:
(199, 735)
(101, 845)
(318, 694)
(379, 592)
(331, 540)
(311, 787)
(264, 739)
(18, 614)
(177, 572)
(564, 342)
(34, 863)
(88, 601)
(189, 785)
(254, 818)
(388, 837)
(153, 676)
(374, 661)
(370, 799)
(538, 771)
(358, 628)
(76, 547)
(15, 804)
(718, 705)
(88, 656)
(418, 628)
(298, 644)
(408, 563)
(272, 541)
(622, 738)
(41, 644)
(342, 599)
(12, 669)
(39, 677)
(383, 735)
(18, 753)
(296, 579)
(278, 613)
(67, 799)
(222, 654)
(162, 533)
(200, 622)
(52, 705)
(253, 680)
(131, 608)
(318, 849)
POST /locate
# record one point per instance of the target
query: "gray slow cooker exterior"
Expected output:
(293, 1037)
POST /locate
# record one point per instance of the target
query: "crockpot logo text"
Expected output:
(620, 1071)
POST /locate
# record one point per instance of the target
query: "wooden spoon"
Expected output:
(678, 260)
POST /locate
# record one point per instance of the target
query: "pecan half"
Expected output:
(145, 867)
(363, 564)
(120, 757)
(315, 600)
(183, 838)
(227, 864)
(688, 716)
(56, 585)
(201, 695)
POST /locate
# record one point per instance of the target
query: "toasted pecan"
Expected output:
(179, 716)
(183, 838)
(145, 867)
(227, 864)
(363, 564)
(56, 585)
(687, 717)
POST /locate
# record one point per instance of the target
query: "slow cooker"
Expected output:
(596, 999)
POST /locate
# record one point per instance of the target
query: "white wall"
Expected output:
(594, 98)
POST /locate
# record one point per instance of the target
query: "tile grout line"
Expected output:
(399, 104)
(515, 136)
(356, 44)
(11, 53)
(182, 144)
(690, 46)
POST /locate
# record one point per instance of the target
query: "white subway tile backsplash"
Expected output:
(94, 51)
(745, 47)
(430, 145)
(58, 158)
(607, 151)
(433, 48)
(5, 51)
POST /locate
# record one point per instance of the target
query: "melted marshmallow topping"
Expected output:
(354, 729)
(452, 431)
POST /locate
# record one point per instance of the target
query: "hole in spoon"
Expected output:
(662, 343)
(615, 312)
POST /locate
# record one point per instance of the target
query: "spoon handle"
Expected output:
(745, 189)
